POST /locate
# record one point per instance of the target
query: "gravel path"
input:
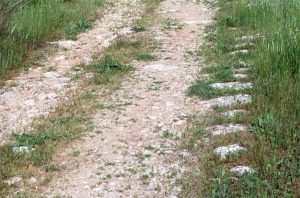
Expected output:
(133, 151)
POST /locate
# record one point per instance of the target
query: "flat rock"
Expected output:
(68, 44)
(13, 181)
(243, 51)
(242, 170)
(192, 22)
(247, 38)
(60, 58)
(125, 31)
(223, 130)
(233, 113)
(241, 70)
(32, 181)
(22, 149)
(160, 67)
(232, 85)
(229, 100)
(52, 75)
(244, 45)
(241, 76)
(224, 151)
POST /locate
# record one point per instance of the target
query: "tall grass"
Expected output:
(25, 24)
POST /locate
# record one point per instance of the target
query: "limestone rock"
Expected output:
(223, 130)
(68, 44)
(224, 151)
(13, 181)
(232, 85)
(233, 113)
(229, 100)
(22, 149)
(242, 170)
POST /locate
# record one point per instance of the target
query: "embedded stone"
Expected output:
(68, 44)
(160, 67)
(241, 70)
(233, 113)
(242, 76)
(223, 130)
(225, 151)
(13, 181)
(229, 100)
(243, 51)
(242, 170)
(22, 149)
(52, 75)
(232, 85)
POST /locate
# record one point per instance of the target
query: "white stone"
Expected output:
(13, 180)
(191, 22)
(241, 76)
(233, 113)
(229, 100)
(51, 95)
(241, 70)
(242, 170)
(68, 44)
(223, 130)
(160, 67)
(243, 45)
(246, 38)
(224, 151)
(243, 51)
(32, 181)
(232, 85)
(89, 75)
(22, 149)
(60, 58)
(52, 75)
(125, 30)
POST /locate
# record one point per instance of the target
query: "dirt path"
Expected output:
(38, 91)
(134, 150)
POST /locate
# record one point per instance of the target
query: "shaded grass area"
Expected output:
(30, 24)
(273, 144)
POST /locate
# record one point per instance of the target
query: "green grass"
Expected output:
(118, 58)
(273, 149)
(28, 26)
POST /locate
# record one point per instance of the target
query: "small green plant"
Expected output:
(51, 167)
(167, 134)
(145, 57)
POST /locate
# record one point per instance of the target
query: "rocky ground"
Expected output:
(38, 91)
(134, 149)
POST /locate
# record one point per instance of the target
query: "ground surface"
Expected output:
(133, 152)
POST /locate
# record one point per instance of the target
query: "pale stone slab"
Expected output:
(242, 170)
(229, 100)
(224, 151)
(232, 85)
(223, 130)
